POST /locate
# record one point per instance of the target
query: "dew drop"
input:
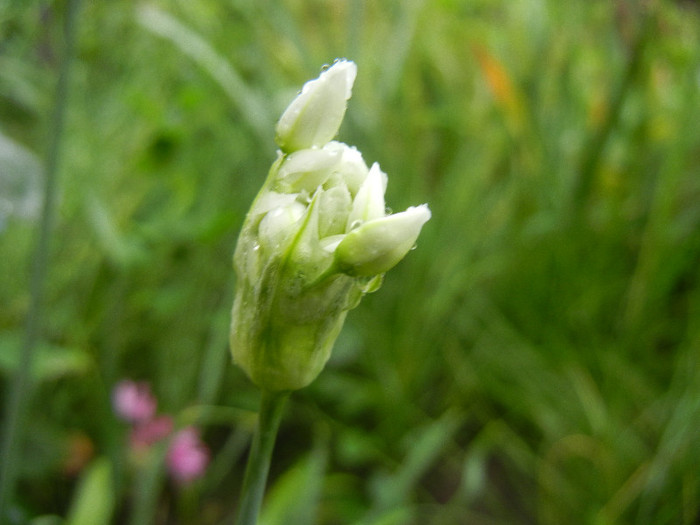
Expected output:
(413, 247)
(355, 224)
(388, 211)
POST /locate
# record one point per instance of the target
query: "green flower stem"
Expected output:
(271, 406)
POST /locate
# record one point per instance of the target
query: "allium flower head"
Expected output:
(316, 239)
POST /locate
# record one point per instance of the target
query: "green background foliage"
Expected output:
(534, 360)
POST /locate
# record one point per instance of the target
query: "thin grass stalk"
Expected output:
(593, 153)
(271, 407)
(20, 386)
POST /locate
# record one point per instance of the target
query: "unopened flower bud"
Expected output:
(351, 170)
(378, 245)
(314, 116)
(279, 224)
(316, 239)
(306, 169)
(369, 203)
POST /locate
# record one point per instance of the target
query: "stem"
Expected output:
(148, 486)
(271, 406)
(20, 385)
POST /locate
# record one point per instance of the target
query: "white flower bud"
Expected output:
(351, 169)
(369, 203)
(314, 116)
(378, 245)
(315, 241)
(306, 169)
(279, 225)
(334, 207)
(270, 200)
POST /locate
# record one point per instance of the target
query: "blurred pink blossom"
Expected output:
(188, 456)
(147, 433)
(133, 402)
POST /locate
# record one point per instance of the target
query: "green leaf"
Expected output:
(94, 500)
(424, 451)
(295, 496)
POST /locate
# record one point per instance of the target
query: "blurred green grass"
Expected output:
(534, 360)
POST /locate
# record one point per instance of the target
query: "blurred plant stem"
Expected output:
(19, 387)
(271, 406)
(148, 487)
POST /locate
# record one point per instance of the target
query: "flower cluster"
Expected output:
(316, 239)
(187, 456)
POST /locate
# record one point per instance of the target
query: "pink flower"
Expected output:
(147, 433)
(188, 456)
(133, 402)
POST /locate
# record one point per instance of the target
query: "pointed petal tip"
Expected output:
(345, 68)
(421, 211)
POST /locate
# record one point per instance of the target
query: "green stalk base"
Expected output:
(271, 406)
